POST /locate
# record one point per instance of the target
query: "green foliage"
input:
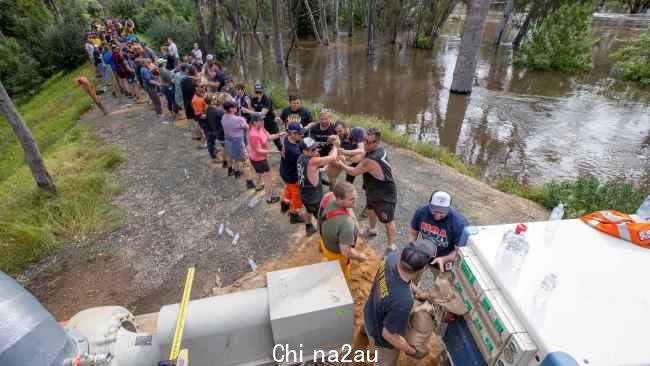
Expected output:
(183, 32)
(18, 69)
(33, 224)
(152, 10)
(584, 195)
(63, 45)
(562, 42)
(225, 49)
(633, 61)
(123, 8)
(422, 42)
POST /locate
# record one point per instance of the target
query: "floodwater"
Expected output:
(534, 127)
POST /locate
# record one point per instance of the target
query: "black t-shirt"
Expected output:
(320, 135)
(288, 164)
(301, 116)
(389, 303)
(188, 86)
(214, 115)
(269, 120)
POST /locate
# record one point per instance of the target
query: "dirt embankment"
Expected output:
(174, 201)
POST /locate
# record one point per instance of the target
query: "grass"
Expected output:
(584, 195)
(32, 223)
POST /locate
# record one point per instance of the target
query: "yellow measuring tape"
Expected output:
(182, 313)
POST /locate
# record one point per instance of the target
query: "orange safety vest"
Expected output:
(620, 225)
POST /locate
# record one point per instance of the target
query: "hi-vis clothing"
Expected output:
(620, 225)
(325, 215)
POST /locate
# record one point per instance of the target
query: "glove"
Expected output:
(418, 355)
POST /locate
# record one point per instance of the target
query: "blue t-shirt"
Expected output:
(289, 163)
(389, 303)
(146, 77)
(446, 234)
(108, 60)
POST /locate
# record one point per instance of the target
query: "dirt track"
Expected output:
(173, 202)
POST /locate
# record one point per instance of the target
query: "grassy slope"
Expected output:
(32, 224)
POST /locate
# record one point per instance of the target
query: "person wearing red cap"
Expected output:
(440, 224)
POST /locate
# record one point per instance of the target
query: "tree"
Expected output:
(32, 154)
(277, 34)
(638, 6)
(470, 45)
(507, 11)
(313, 22)
(372, 19)
(322, 16)
(208, 36)
(351, 17)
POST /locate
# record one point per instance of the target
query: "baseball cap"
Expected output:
(308, 143)
(440, 202)
(417, 254)
(258, 86)
(257, 117)
(295, 127)
(357, 134)
(209, 57)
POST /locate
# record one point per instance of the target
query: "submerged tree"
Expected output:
(470, 45)
(207, 33)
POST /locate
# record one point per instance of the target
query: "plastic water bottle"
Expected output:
(557, 213)
(644, 211)
(515, 242)
(547, 286)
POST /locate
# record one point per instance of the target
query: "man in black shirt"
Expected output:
(263, 105)
(295, 112)
(381, 193)
(386, 313)
(320, 131)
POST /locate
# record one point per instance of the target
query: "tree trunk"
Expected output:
(507, 11)
(372, 12)
(277, 34)
(435, 30)
(240, 33)
(470, 45)
(364, 13)
(313, 22)
(638, 6)
(322, 16)
(291, 7)
(207, 37)
(30, 148)
(260, 14)
(351, 17)
(336, 17)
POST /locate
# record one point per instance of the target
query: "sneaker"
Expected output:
(225, 165)
(368, 232)
(273, 200)
(284, 206)
(249, 183)
(260, 188)
(295, 218)
(238, 175)
(310, 229)
(231, 172)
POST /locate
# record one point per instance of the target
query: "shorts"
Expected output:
(385, 210)
(312, 208)
(236, 148)
(260, 166)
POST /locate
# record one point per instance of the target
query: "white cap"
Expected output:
(209, 57)
(440, 202)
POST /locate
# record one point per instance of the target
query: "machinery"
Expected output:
(301, 309)
(596, 314)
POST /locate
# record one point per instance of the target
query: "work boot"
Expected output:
(310, 229)
(238, 174)
(284, 206)
(231, 172)
(249, 184)
(295, 218)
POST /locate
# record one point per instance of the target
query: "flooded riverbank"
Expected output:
(535, 127)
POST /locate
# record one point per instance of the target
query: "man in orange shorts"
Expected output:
(338, 227)
(289, 172)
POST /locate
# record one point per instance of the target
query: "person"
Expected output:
(111, 71)
(386, 312)
(198, 54)
(258, 139)
(120, 70)
(320, 131)
(440, 224)
(173, 49)
(351, 151)
(289, 173)
(338, 227)
(216, 77)
(295, 112)
(243, 100)
(199, 107)
(149, 84)
(99, 65)
(311, 188)
(88, 86)
(215, 114)
(263, 105)
(233, 128)
(148, 52)
(381, 193)
(188, 86)
(167, 86)
(90, 48)
(179, 71)
(229, 87)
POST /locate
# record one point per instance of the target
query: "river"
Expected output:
(533, 126)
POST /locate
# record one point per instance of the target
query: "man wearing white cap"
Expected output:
(439, 223)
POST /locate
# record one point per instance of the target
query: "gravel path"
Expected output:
(173, 202)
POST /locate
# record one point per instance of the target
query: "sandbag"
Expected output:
(445, 295)
(420, 325)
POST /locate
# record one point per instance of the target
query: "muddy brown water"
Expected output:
(534, 126)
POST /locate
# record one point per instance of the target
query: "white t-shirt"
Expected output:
(173, 50)
(90, 49)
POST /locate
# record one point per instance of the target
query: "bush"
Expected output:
(123, 8)
(562, 42)
(63, 46)
(634, 60)
(423, 42)
(225, 49)
(153, 10)
(180, 30)
(18, 69)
